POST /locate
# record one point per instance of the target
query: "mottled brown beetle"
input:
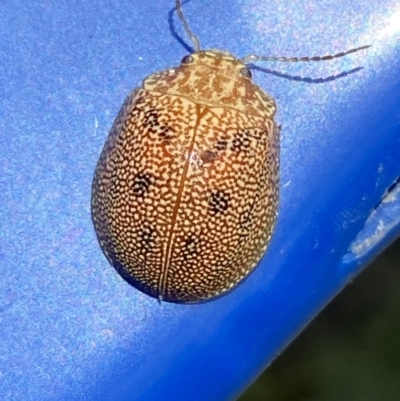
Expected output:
(185, 194)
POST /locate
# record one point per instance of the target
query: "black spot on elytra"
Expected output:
(141, 184)
(247, 220)
(246, 223)
(241, 141)
(165, 133)
(218, 202)
(151, 118)
(221, 144)
(190, 247)
(152, 121)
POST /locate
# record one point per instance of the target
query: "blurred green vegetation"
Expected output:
(351, 351)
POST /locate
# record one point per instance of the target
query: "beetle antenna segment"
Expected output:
(253, 58)
(194, 39)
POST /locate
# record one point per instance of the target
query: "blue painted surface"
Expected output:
(70, 327)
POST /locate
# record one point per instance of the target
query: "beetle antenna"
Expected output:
(194, 39)
(253, 57)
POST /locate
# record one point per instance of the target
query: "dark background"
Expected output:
(351, 351)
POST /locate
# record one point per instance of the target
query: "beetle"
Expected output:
(185, 193)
